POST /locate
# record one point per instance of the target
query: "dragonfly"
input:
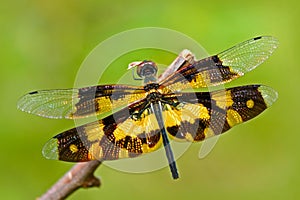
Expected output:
(164, 108)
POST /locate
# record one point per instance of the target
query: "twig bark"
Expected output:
(79, 176)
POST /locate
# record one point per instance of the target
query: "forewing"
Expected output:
(197, 116)
(223, 67)
(127, 133)
(79, 103)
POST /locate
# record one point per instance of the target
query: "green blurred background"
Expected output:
(43, 44)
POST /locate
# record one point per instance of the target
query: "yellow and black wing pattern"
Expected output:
(223, 67)
(187, 117)
(126, 133)
(79, 103)
(201, 115)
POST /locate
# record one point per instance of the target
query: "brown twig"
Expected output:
(79, 176)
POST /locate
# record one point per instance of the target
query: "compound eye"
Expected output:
(145, 68)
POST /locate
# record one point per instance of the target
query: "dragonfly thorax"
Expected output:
(154, 97)
(153, 94)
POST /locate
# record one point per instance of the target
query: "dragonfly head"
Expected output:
(144, 68)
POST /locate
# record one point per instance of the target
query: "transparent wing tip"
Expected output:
(269, 39)
(23, 102)
(269, 94)
(54, 104)
(267, 45)
(50, 150)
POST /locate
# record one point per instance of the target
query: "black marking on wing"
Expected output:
(202, 114)
(223, 67)
(107, 139)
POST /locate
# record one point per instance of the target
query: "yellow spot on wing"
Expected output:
(73, 148)
(250, 103)
(233, 117)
